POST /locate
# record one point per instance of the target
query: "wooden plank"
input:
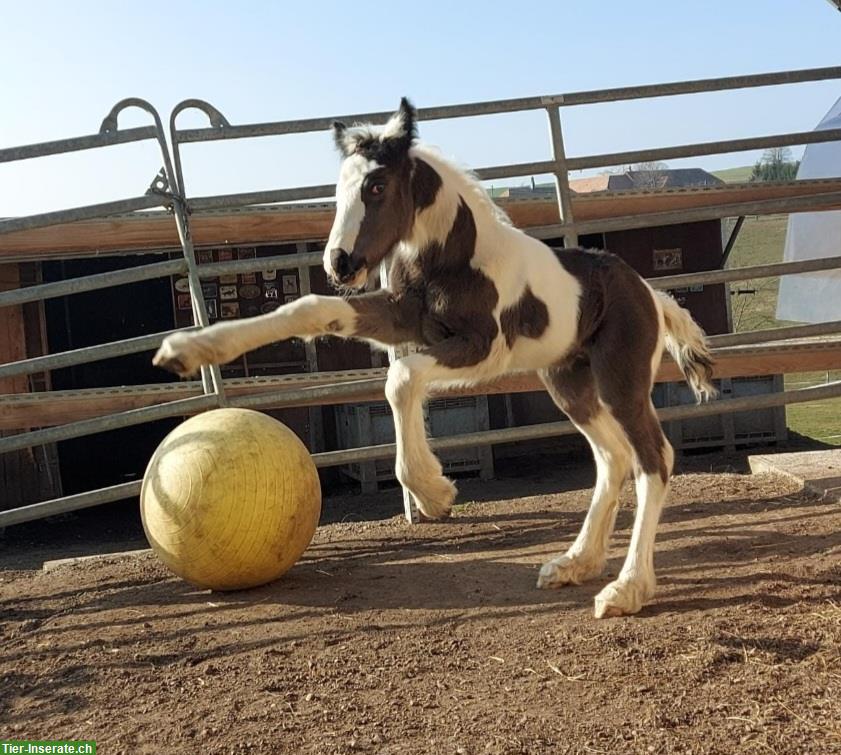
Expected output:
(12, 332)
(18, 472)
(155, 231)
(59, 407)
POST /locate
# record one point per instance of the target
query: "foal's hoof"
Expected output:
(622, 598)
(180, 353)
(566, 570)
(435, 500)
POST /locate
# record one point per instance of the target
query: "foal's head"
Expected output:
(376, 196)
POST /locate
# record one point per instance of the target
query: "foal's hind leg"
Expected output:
(573, 389)
(626, 393)
(653, 460)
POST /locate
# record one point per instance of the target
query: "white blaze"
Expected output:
(350, 209)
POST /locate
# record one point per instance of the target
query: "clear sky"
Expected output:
(64, 64)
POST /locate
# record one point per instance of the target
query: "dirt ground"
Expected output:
(388, 638)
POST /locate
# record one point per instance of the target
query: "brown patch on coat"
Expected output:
(387, 318)
(617, 337)
(426, 183)
(436, 300)
(573, 388)
(528, 317)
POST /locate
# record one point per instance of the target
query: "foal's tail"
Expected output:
(687, 344)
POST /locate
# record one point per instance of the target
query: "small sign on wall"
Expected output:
(667, 259)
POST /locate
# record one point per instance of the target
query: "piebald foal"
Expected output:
(482, 298)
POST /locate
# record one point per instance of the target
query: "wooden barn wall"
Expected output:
(29, 475)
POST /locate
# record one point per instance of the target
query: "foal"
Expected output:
(482, 298)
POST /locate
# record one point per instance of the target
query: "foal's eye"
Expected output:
(377, 189)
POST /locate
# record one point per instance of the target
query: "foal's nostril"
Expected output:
(340, 262)
(344, 265)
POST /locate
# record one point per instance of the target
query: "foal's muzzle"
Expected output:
(344, 266)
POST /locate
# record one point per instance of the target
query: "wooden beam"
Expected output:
(12, 332)
(58, 407)
(154, 231)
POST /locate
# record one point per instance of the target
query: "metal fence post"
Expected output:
(561, 176)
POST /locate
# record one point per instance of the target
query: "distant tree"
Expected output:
(775, 165)
(649, 175)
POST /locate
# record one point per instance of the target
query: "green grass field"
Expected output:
(734, 175)
(754, 304)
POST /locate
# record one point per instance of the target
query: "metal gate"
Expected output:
(167, 190)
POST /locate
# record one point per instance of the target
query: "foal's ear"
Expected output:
(402, 126)
(339, 130)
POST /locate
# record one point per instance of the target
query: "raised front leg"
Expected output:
(416, 467)
(376, 317)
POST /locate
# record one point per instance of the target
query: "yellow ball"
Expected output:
(230, 499)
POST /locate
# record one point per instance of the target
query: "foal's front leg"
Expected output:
(375, 316)
(416, 467)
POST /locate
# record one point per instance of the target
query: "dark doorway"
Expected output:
(99, 317)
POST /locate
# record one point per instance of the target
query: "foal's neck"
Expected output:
(459, 192)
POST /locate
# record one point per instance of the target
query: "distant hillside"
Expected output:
(734, 175)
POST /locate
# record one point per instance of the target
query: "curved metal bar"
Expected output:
(211, 376)
(110, 121)
(217, 121)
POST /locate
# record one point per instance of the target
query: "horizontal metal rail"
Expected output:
(154, 270)
(92, 282)
(750, 337)
(702, 148)
(88, 354)
(493, 107)
(487, 437)
(731, 274)
(748, 81)
(256, 264)
(552, 429)
(342, 391)
(283, 262)
(89, 212)
(77, 143)
(362, 389)
(516, 170)
(132, 417)
(812, 203)
(69, 503)
(270, 196)
(328, 191)
(289, 261)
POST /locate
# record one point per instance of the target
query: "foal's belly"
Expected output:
(561, 293)
(556, 342)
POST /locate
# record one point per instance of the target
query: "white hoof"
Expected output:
(622, 598)
(183, 354)
(568, 569)
(434, 497)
